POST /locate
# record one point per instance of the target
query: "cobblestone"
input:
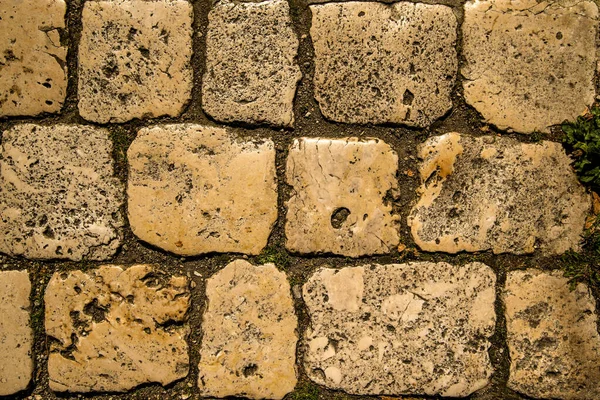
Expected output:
(196, 189)
(134, 59)
(251, 72)
(340, 196)
(33, 72)
(552, 336)
(59, 198)
(116, 328)
(525, 58)
(16, 336)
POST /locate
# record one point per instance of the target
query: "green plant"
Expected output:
(305, 391)
(579, 268)
(582, 139)
(274, 255)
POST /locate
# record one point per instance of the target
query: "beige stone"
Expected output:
(384, 63)
(529, 63)
(493, 193)
(33, 70)
(249, 334)
(341, 197)
(251, 70)
(59, 197)
(552, 336)
(134, 59)
(16, 336)
(419, 328)
(114, 328)
(196, 189)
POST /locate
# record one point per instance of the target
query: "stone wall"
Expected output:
(302, 200)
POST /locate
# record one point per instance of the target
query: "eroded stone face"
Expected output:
(552, 336)
(115, 329)
(195, 189)
(58, 196)
(380, 63)
(33, 70)
(249, 339)
(134, 59)
(418, 328)
(251, 71)
(529, 64)
(16, 337)
(492, 193)
(341, 197)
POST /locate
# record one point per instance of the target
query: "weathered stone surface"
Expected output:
(492, 193)
(384, 63)
(418, 328)
(115, 329)
(134, 59)
(341, 197)
(16, 337)
(58, 194)
(251, 71)
(552, 336)
(529, 64)
(249, 334)
(33, 71)
(196, 189)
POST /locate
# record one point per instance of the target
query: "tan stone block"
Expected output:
(134, 59)
(249, 334)
(16, 336)
(33, 71)
(196, 189)
(529, 64)
(116, 328)
(492, 193)
(552, 336)
(419, 328)
(341, 197)
(251, 70)
(59, 197)
(384, 63)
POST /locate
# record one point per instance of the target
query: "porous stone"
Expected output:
(384, 63)
(196, 189)
(552, 336)
(251, 70)
(58, 194)
(33, 70)
(134, 59)
(249, 334)
(418, 328)
(529, 64)
(493, 193)
(16, 337)
(116, 328)
(341, 197)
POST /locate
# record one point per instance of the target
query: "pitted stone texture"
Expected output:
(418, 328)
(116, 328)
(134, 59)
(16, 337)
(529, 64)
(249, 334)
(196, 189)
(251, 71)
(33, 71)
(341, 197)
(552, 336)
(384, 63)
(58, 194)
(492, 193)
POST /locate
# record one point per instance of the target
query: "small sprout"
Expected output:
(582, 139)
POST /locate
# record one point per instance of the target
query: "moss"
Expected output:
(276, 256)
(305, 391)
(583, 267)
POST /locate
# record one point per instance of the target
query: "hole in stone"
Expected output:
(47, 85)
(96, 311)
(339, 216)
(145, 52)
(129, 299)
(408, 97)
(250, 370)
(48, 233)
(361, 14)
(77, 289)
(319, 373)
(64, 276)
(559, 35)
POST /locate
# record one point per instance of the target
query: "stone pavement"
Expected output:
(294, 199)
